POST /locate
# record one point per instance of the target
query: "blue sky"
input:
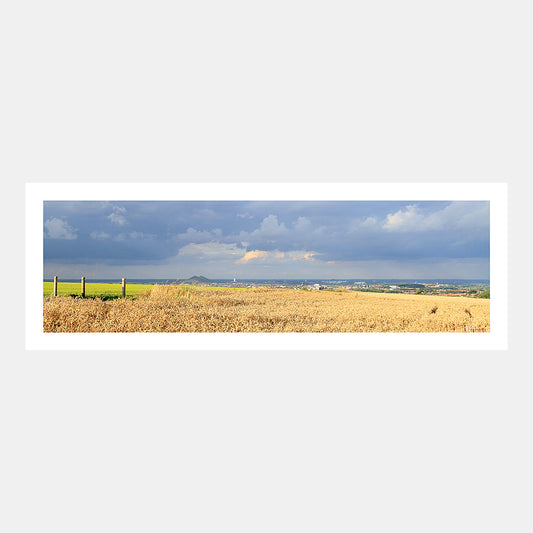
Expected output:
(283, 239)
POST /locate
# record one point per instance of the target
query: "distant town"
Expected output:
(472, 288)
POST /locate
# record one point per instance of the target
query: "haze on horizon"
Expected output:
(267, 240)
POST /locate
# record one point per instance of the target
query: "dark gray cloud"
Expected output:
(255, 236)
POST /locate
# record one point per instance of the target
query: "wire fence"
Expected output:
(82, 287)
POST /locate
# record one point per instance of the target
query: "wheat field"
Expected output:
(186, 309)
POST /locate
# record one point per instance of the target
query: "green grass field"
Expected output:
(104, 290)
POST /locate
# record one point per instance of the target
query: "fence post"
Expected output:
(55, 285)
(83, 287)
(123, 287)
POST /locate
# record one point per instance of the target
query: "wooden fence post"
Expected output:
(55, 285)
(123, 287)
(83, 287)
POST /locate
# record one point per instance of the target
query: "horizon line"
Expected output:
(288, 279)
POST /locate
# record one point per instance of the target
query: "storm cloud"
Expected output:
(267, 239)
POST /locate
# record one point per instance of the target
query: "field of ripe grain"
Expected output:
(184, 309)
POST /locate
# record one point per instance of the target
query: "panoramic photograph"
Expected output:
(266, 266)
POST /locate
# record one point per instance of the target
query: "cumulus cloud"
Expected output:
(198, 236)
(273, 232)
(407, 219)
(253, 255)
(369, 222)
(302, 255)
(57, 228)
(260, 255)
(117, 216)
(270, 227)
(462, 215)
(276, 256)
(456, 215)
(363, 225)
(303, 224)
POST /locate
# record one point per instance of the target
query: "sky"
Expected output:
(266, 240)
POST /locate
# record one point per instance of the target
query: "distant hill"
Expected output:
(194, 280)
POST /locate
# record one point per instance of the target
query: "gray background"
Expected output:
(259, 441)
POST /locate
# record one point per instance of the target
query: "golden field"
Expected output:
(165, 308)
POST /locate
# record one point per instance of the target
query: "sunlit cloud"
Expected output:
(276, 256)
(259, 255)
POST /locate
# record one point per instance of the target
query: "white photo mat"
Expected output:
(495, 193)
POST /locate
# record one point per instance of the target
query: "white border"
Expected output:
(496, 193)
